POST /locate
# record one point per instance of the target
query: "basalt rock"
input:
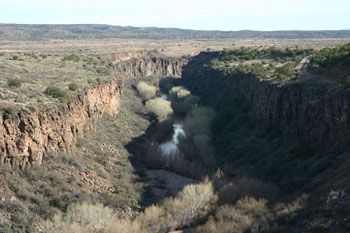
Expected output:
(26, 136)
(318, 112)
(151, 66)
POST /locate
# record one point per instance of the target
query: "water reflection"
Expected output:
(170, 147)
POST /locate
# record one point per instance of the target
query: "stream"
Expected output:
(170, 148)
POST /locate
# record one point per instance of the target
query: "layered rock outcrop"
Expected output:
(151, 66)
(317, 112)
(25, 137)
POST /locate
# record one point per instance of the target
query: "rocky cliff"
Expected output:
(25, 137)
(151, 66)
(319, 113)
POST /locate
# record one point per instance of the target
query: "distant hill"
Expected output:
(38, 32)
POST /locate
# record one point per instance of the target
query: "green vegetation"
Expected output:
(10, 110)
(285, 71)
(277, 54)
(20, 222)
(333, 62)
(73, 86)
(265, 63)
(57, 93)
(346, 82)
(13, 82)
(338, 57)
(15, 57)
(37, 71)
(72, 57)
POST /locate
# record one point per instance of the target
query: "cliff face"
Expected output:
(319, 113)
(151, 66)
(25, 137)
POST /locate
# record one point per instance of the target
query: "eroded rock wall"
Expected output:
(25, 137)
(151, 66)
(319, 113)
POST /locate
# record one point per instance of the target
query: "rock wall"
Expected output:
(151, 66)
(26, 137)
(320, 113)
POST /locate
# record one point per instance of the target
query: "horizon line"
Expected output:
(189, 29)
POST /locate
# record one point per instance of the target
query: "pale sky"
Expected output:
(187, 14)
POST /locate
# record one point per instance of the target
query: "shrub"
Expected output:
(198, 196)
(159, 107)
(71, 57)
(242, 187)
(73, 86)
(146, 91)
(178, 92)
(199, 120)
(56, 92)
(20, 222)
(184, 105)
(15, 57)
(165, 84)
(122, 198)
(13, 82)
(205, 150)
(191, 204)
(154, 158)
(82, 217)
(286, 70)
(247, 215)
(123, 226)
(153, 219)
(346, 82)
(10, 110)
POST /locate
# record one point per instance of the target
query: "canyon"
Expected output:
(25, 137)
(318, 112)
(310, 109)
(311, 114)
